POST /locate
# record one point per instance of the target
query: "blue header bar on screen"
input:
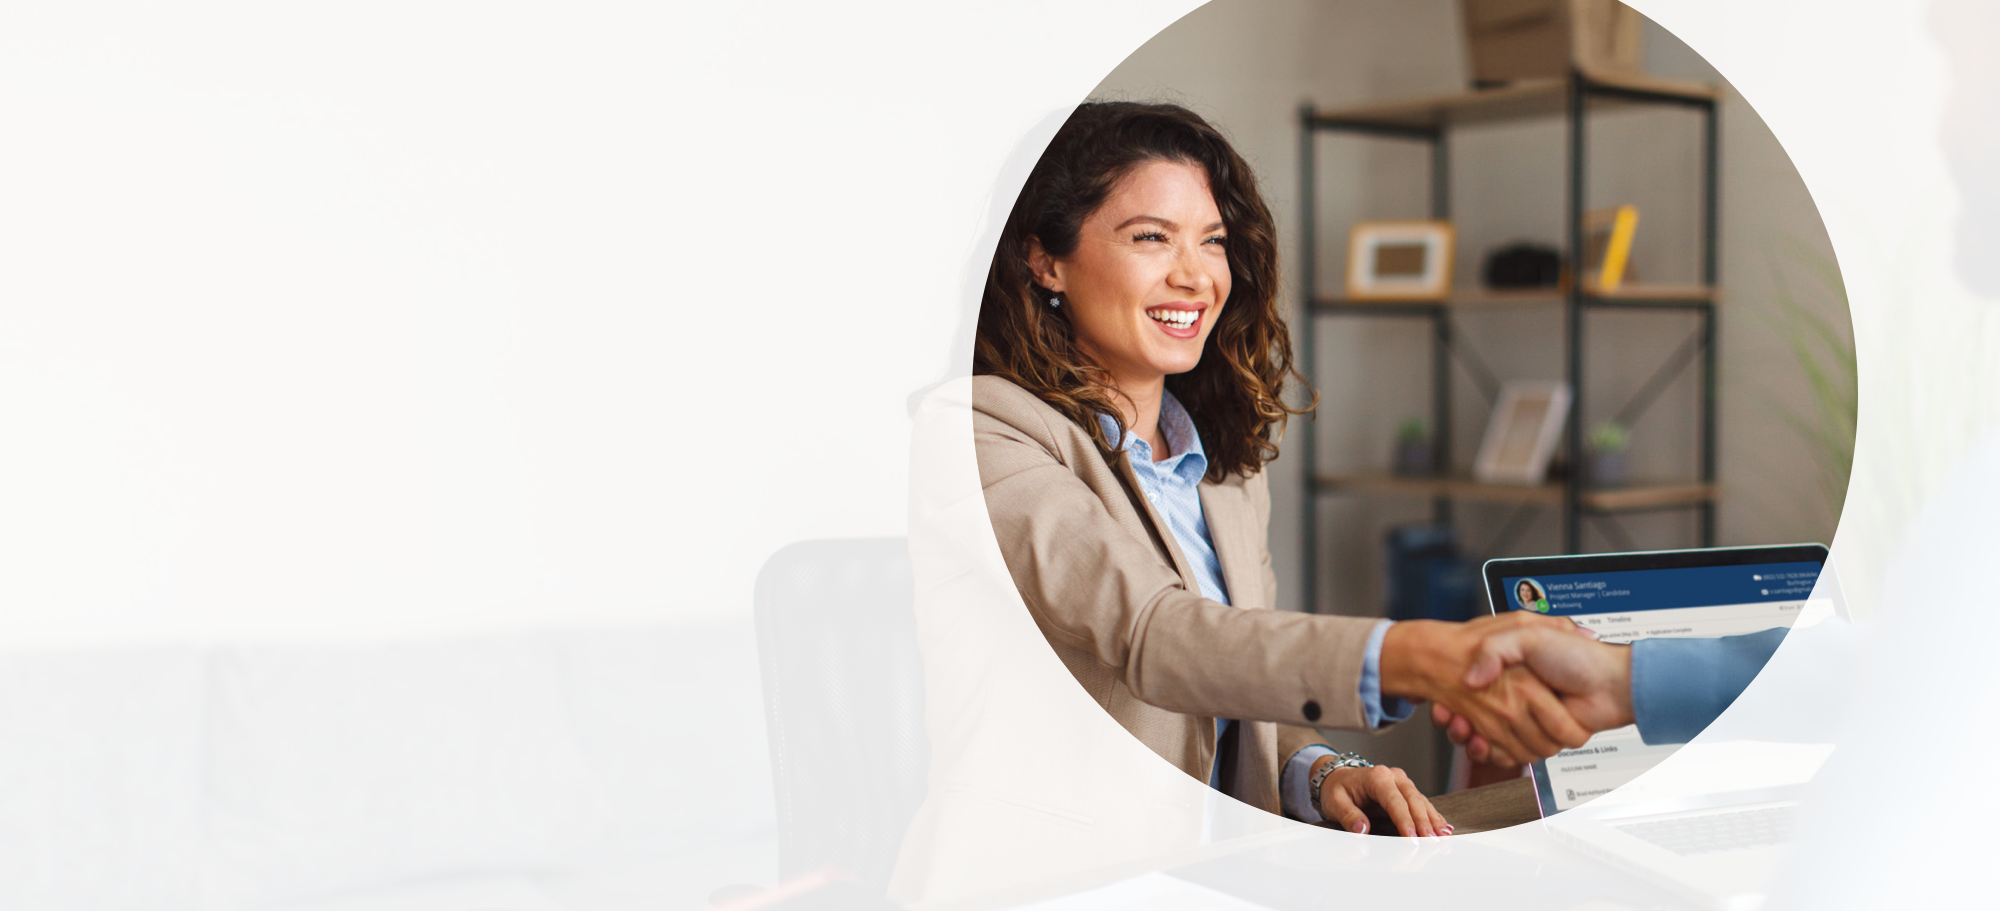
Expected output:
(1663, 589)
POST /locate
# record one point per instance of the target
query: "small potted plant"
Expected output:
(1413, 448)
(1608, 442)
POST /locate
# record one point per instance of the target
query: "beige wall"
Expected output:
(1248, 64)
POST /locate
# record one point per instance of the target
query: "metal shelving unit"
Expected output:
(1429, 121)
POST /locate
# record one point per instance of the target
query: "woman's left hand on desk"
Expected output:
(1346, 791)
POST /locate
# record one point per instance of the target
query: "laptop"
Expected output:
(1720, 849)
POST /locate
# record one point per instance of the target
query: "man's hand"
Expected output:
(1510, 708)
(1593, 680)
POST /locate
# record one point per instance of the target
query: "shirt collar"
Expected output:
(1178, 427)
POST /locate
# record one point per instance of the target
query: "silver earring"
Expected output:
(1055, 302)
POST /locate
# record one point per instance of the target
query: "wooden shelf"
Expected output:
(1520, 101)
(1647, 496)
(1467, 297)
(1610, 499)
(1692, 294)
(1474, 298)
(1454, 488)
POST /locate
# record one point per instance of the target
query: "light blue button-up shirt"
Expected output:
(1172, 486)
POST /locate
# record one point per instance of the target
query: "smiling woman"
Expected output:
(1130, 360)
(1135, 229)
(1144, 288)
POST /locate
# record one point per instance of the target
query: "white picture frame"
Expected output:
(1400, 260)
(1523, 433)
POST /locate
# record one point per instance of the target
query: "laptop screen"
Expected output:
(1627, 597)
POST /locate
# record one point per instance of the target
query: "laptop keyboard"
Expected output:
(1735, 830)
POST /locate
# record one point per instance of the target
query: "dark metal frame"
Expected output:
(1576, 302)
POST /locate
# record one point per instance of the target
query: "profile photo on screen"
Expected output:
(1528, 594)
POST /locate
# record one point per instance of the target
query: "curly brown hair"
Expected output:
(1234, 394)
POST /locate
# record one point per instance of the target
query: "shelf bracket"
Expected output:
(1673, 367)
(1475, 367)
(1615, 531)
(1516, 523)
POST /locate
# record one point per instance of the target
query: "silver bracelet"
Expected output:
(1341, 760)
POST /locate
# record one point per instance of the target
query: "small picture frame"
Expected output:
(1399, 260)
(1607, 247)
(1523, 433)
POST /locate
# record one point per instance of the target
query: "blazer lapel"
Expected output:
(1161, 533)
(1229, 520)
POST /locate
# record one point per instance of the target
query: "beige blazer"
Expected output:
(1119, 603)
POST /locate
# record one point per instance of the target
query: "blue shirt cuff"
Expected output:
(1295, 785)
(1378, 711)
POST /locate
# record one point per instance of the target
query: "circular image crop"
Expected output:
(1529, 595)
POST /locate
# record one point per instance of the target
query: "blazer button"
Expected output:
(1312, 710)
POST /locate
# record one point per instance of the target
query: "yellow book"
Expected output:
(1619, 249)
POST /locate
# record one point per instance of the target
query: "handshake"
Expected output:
(1510, 688)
